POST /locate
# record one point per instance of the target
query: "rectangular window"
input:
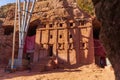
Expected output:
(61, 24)
(51, 36)
(71, 24)
(60, 36)
(50, 25)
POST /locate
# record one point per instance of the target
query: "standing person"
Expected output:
(100, 55)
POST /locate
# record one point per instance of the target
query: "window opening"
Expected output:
(60, 36)
(82, 22)
(50, 25)
(61, 25)
(8, 30)
(51, 36)
(71, 24)
(70, 35)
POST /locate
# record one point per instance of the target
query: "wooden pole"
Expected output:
(13, 48)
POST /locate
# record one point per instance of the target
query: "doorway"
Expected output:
(50, 50)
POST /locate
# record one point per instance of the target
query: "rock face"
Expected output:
(5, 46)
(52, 11)
(61, 21)
(108, 12)
(6, 35)
(56, 9)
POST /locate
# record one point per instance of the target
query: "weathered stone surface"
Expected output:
(73, 21)
(6, 46)
(64, 20)
(108, 13)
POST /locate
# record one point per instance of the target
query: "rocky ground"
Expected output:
(90, 72)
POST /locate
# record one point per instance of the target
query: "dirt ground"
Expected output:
(90, 72)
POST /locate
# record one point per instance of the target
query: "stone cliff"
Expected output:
(108, 13)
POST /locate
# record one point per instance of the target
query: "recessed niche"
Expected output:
(61, 24)
(8, 30)
(71, 24)
(82, 22)
(44, 25)
(50, 25)
(51, 36)
(83, 44)
(71, 46)
(60, 36)
(60, 45)
(70, 35)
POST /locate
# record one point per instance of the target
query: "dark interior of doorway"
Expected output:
(51, 50)
(8, 29)
(32, 30)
